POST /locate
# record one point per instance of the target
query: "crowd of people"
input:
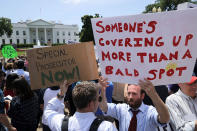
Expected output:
(93, 105)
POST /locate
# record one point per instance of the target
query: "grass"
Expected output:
(18, 52)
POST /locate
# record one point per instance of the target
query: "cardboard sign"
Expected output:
(158, 46)
(50, 66)
(8, 51)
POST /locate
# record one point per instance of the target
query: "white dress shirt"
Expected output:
(78, 122)
(183, 111)
(48, 95)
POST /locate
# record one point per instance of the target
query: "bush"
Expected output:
(56, 44)
(25, 45)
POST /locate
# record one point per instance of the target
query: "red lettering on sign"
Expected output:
(109, 70)
(153, 58)
(187, 54)
(153, 72)
(176, 43)
(158, 43)
(99, 25)
(151, 24)
(188, 37)
(139, 27)
(142, 54)
(180, 69)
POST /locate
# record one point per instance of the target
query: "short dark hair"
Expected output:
(20, 64)
(84, 93)
(10, 79)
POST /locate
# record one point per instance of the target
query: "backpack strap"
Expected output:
(95, 124)
(64, 126)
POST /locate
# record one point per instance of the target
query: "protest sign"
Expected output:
(158, 46)
(50, 66)
(8, 51)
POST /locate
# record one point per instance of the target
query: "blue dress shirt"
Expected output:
(147, 118)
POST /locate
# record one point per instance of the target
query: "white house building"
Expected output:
(30, 32)
(186, 5)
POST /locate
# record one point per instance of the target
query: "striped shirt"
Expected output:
(183, 111)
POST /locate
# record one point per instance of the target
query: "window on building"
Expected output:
(10, 41)
(3, 41)
(58, 41)
(17, 41)
(68, 33)
(24, 32)
(57, 33)
(17, 32)
(64, 41)
(25, 42)
(63, 33)
(34, 41)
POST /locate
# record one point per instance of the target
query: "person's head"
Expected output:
(9, 66)
(85, 96)
(189, 88)
(20, 64)
(134, 96)
(21, 88)
(9, 80)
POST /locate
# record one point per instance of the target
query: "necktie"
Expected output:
(133, 122)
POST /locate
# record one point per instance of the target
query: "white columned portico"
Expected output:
(45, 36)
(28, 36)
(36, 35)
(53, 31)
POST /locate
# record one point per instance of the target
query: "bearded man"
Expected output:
(136, 116)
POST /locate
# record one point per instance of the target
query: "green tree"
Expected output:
(5, 27)
(148, 8)
(166, 5)
(86, 33)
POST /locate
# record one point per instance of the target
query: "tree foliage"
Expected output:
(165, 5)
(5, 26)
(86, 33)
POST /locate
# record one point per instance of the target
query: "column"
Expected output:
(45, 36)
(36, 35)
(28, 36)
(53, 36)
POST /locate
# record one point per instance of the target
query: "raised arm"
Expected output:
(63, 90)
(161, 108)
(103, 104)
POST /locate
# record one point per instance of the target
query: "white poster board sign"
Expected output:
(161, 47)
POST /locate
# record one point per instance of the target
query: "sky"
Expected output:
(68, 11)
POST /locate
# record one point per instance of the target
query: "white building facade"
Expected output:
(30, 32)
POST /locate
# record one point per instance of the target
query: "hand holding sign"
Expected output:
(64, 87)
(148, 87)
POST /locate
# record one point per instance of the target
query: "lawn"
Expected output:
(18, 52)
